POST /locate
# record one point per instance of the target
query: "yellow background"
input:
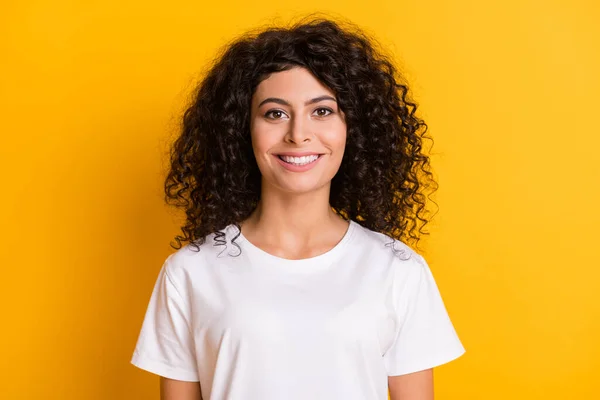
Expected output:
(90, 92)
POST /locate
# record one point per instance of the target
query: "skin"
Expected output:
(294, 219)
(415, 386)
(293, 111)
(171, 389)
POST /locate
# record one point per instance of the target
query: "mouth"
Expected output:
(299, 161)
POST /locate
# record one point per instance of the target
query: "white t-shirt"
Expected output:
(253, 326)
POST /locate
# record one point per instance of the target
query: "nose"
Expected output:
(299, 131)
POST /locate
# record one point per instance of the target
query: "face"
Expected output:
(298, 131)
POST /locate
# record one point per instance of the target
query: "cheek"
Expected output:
(264, 137)
(335, 138)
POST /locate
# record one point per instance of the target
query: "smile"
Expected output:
(300, 160)
(298, 164)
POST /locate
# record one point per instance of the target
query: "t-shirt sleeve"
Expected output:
(165, 343)
(425, 336)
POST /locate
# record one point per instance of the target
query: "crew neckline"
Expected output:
(260, 258)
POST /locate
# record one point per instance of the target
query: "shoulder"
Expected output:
(192, 259)
(402, 270)
(382, 245)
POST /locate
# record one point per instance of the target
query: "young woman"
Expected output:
(301, 171)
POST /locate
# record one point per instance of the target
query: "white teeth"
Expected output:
(299, 160)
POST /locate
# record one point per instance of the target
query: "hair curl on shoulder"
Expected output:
(384, 173)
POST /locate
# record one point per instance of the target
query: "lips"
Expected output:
(302, 161)
(285, 156)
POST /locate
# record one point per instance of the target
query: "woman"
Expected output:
(300, 169)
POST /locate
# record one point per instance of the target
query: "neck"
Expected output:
(302, 217)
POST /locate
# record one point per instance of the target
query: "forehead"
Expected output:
(296, 83)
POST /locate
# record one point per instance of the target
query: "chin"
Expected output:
(301, 187)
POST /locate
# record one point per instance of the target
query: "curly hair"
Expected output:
(384, 173)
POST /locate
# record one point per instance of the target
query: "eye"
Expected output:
(323, 112)
(277, 114)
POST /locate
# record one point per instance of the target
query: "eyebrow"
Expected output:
(285, 103)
